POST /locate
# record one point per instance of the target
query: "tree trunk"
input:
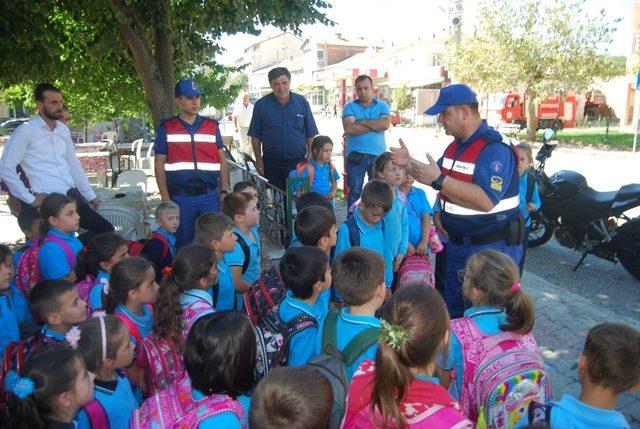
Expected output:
(155, 79)
(532, 120)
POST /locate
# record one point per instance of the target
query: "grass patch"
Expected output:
(593, 137)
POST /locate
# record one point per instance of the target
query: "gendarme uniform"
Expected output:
(492, 164)
(193, 164)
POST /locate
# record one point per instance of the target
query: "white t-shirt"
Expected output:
(244, 114)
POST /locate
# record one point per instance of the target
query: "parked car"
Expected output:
(7, 127)
(395, 118)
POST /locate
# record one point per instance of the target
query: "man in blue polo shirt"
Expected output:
(190, 164)
(478, 183)
(365, 121)
(282, 129)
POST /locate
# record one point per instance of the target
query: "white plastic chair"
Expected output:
(132, 178)
(146, 160)
(127, 222)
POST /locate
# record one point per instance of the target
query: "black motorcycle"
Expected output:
(583, 219)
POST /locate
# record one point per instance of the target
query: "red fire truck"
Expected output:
(555, 112)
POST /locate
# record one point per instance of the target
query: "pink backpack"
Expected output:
(84, 288)
(190, 314)
(426, 405)
(28, 270)
(175, 408)
(418, 269)
(161, 362)
(502, 374)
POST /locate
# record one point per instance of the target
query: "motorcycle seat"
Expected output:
(628, 192)
(595, 200)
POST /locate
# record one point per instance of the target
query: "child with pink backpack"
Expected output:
(94, 265)
(183, 298)
(495, 366)
(414, 331)
(220, 359)
(105, 346)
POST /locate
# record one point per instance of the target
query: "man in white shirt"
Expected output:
(44, 150)
(242, 119)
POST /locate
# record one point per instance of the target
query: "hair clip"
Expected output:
(514, 288)
(392, 335)
(105, 286)
(99, 313)
(19, 386)
(72, 337)
(166, 271)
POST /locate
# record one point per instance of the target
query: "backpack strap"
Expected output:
(301, 167)
(68, 252)
(166, 247)
(354, 231)
(97, 415)
(531, 183)
(359, 344)
(330, 331)
(133, 328)
(245, 249)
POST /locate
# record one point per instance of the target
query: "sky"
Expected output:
(405, 20)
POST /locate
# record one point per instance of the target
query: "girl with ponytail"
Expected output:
(184, 297)
(49, 390)
(400, 390)
(500, 306)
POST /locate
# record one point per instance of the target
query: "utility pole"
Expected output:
(457, 21)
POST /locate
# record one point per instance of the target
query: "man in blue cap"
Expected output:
(478, 183)
(190, 165)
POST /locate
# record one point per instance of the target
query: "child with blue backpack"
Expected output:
(306, 274)
(132, 290)
(358, 275)
(323, 176)
(105, 346)
(216, 231)
(60, 246)
(14, 309)
(245, 258)
(366, 226)
(93, 268)
(220, 360)
(495, 332)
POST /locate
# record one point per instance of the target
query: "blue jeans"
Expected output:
(355, 176)
(190, 209)
(457, 256)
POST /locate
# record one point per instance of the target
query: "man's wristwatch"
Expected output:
(437, 184)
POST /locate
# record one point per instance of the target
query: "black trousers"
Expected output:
(89, 218)
(277, 170)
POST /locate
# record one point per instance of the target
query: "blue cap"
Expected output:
(452, 95)
(187, 88)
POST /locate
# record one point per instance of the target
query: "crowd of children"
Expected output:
(144, 335)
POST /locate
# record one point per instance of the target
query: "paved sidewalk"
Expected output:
(562, 321)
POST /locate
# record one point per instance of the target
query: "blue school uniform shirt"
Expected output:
(396, 227)
(371, 237)
(235, 258)
(118, 404)
(52, 258)
(143, 322)
(10, 330)
(226, 420)
(570, 413)
(95, 295)
(349, 325)
(56, 337)
(226, 287)
(535, 198)
(321, 177)
(303, 344)
(488, 320)
(417, 206)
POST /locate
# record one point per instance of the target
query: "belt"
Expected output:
(189, 192)
(491, 237)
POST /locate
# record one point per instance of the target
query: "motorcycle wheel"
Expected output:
(629, 248)
(540, 231)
